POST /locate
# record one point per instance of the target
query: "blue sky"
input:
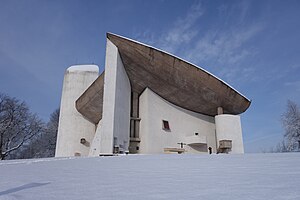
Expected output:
(252, 45)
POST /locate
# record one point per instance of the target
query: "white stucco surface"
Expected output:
(94, 149)
(228, 127)
(183, 126)
(116, 104)
(83, 68)
(72, 125)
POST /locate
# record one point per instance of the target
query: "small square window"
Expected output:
(165, 124)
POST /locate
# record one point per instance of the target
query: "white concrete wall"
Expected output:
(228, 127)
(116, 104)
(72, 126)
(183, 124)
(95, 146)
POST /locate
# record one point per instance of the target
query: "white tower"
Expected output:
(228, 127)
(75, 133)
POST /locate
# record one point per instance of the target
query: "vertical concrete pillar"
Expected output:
(131, 128)
(220, 110)
(135, 104)
(135, 113)
(134, 123)
(115, 129)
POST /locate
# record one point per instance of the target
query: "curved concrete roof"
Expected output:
(174, 79)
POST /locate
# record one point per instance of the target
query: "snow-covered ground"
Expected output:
(139, 177)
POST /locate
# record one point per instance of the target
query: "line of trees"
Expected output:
(22, 133)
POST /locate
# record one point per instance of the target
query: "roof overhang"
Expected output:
(174, 79)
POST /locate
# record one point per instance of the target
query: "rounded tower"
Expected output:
(75, 133)
(228, 128)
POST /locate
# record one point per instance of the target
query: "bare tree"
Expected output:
(17, 125)
(52, 128)
(281, 147)
(49, 136)
(291, 123)
(43, 145)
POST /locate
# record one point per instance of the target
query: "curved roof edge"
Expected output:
(176, 80)
(192, 64)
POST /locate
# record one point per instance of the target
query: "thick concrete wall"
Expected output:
(72, 125)
(228, 127)
(115, 123)
(183, 126)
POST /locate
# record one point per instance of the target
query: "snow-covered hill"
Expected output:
(136, 177)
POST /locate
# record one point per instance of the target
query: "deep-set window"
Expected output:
(165, 125)
(82, 141)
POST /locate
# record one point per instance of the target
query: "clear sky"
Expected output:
(252, 45)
